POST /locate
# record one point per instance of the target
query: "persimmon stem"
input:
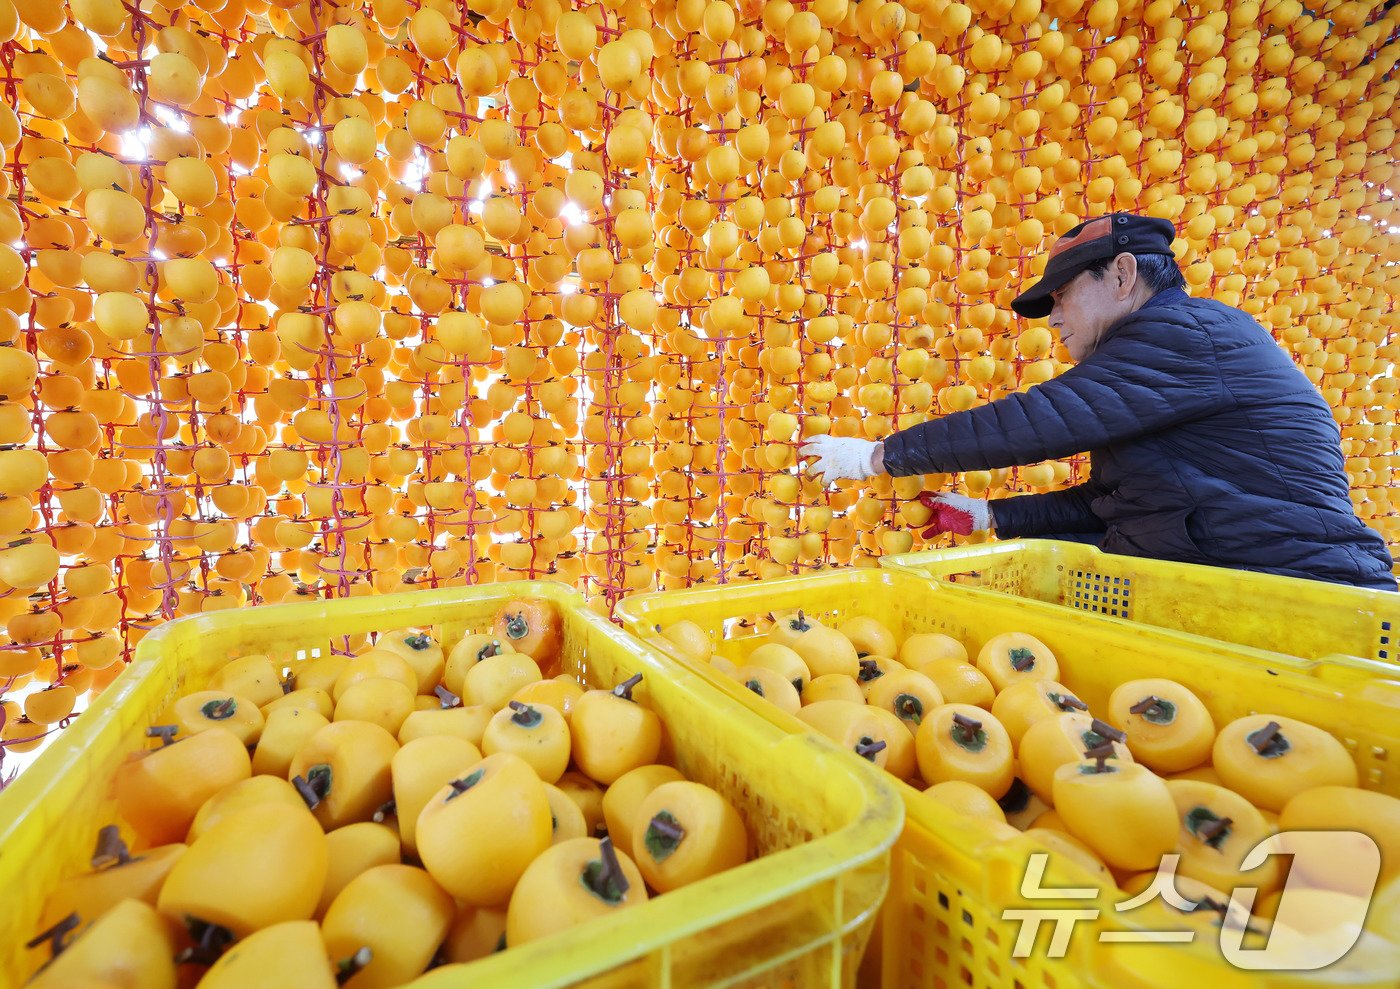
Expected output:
(663, 834)
(614, 867)
(56, 935)
(868, 749)
(220, 710)
(348, 968)
(625, 688)
(446, 698)
(110, 848)
(1210, 903)
(667, 829)
(464, 784)
(166, 733)
(516, 626)
(604, 877)
(965, 726)
(1100, 753)
(1211, 830)
(314, 786)
(1144, 705)
(307, 791)
(1108, 731)
(525, 715)
(909, 708)
(1268, 741)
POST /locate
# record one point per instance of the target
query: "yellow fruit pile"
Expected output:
(1000, 739)
(377, 811)
(309, 299)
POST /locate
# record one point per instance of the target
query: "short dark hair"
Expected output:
(1159, 271)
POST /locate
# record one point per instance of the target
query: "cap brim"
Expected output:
(1035, 302)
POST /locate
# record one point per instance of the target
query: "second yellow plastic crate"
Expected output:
(943, 922)
(800, 915)
(1252, 612)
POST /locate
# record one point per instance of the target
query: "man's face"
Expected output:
(1088, 304)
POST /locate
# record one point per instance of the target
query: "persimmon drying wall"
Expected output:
(319, 298)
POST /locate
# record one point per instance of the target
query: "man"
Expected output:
(1207, 444)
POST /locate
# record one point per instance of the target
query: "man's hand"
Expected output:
(956, 513)
(843, 457)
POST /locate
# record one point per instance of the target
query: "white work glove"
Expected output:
(841, 457)
(956, 513)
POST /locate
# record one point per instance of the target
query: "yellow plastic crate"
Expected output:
(942, 924)
(1252, 613)
(800, 915)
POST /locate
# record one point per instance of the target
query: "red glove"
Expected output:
(956, 514)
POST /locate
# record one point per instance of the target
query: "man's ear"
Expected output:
(1125, 266)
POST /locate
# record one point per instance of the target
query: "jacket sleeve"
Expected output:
(1048, 514)
(1155, 370)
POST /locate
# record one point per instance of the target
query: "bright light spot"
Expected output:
(313, 138)
(487, 282)
(572, 214)
(158, 254)
(510, 175)
(350, 172)
(19, 245)
(659, 297)
(417, 173)
(1326, 233)
(476, 206)
(238, 169)
(858, 244)
(172, 120)
(567, 288)
(564, 160)
(136, 144)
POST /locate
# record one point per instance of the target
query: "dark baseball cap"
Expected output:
(1094, 240)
